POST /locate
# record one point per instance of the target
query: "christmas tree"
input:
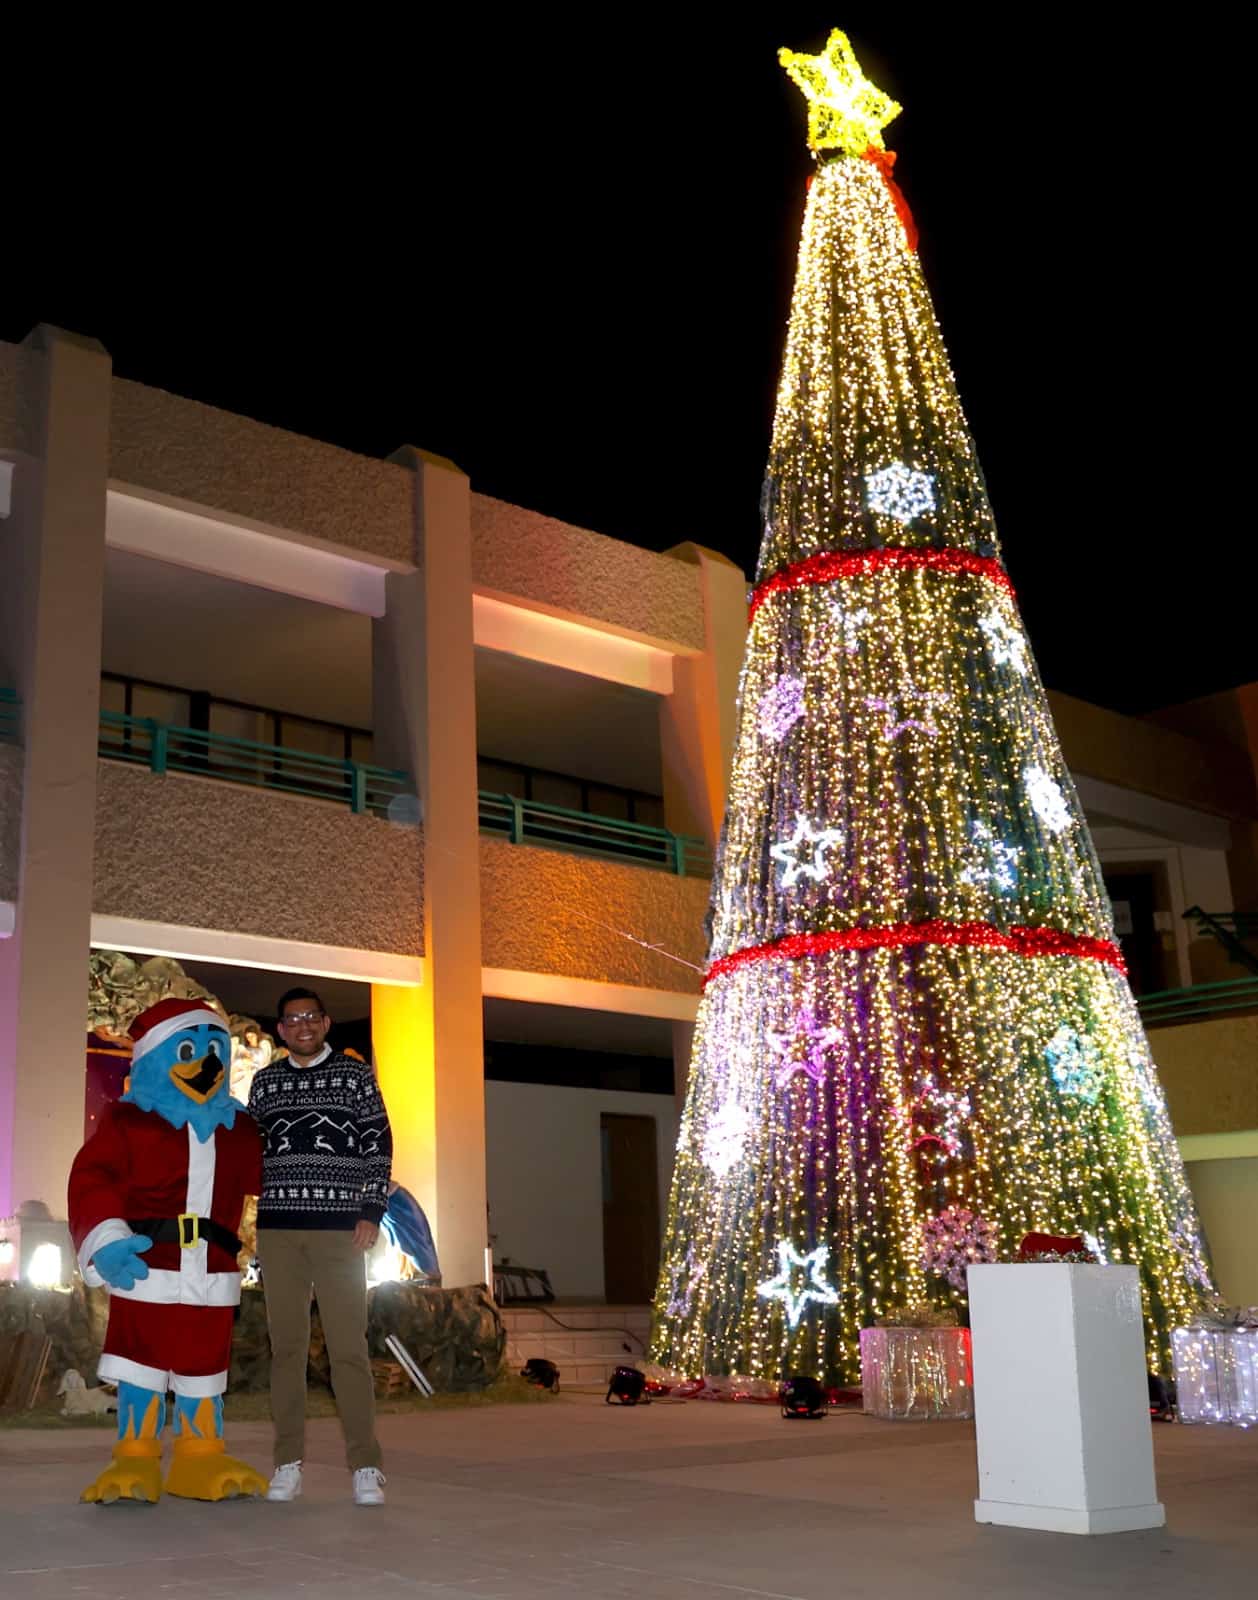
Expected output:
(916, 1042)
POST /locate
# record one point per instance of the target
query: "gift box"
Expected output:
(917, 1374)
(1216, 1374)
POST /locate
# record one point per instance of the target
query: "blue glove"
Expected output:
(119, 1263)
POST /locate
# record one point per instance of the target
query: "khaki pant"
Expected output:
(293, 1262)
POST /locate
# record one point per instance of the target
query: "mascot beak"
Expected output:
(198, 1079)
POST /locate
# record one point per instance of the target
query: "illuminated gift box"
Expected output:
(1216, 1374)
(917, 1374)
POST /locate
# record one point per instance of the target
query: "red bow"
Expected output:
(884, 160)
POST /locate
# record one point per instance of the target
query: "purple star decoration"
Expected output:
(818, 1040)
(781, 707)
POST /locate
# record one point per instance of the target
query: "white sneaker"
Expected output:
(369, 1485)
(286, 1484)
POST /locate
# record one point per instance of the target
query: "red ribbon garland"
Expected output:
(884, 160)
(1028, 942)
(827, 565)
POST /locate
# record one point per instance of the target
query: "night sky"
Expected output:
(560, 252)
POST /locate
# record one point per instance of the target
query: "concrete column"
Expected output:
(53, 551)
(430, 1045)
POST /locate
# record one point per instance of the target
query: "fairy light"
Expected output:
(931, 904)
(900, 492)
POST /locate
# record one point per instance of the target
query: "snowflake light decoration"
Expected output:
(952, 1111)
(789, 852)
(725, 1138)
(849, 625)
(818, 1041)
(955, 1239)
(684, 1280)
(993, 864)
(780, 707)
(1005, 643)
(1047, 800)
(900, 492)
(894, 707)
(814, 1288)
(1075, 1061)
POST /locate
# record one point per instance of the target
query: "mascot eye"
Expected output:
(185, 1050)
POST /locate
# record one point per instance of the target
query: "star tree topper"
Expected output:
(815, 1287)
(845, 111)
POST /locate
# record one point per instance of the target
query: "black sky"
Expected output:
(558, 248)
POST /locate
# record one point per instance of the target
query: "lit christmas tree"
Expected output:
(916, 1042)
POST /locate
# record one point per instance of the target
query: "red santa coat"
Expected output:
(173, 1329)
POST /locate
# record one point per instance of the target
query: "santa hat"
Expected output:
(167, 1017)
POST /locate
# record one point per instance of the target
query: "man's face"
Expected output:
(304, 1027)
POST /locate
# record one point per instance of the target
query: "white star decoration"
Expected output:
(815, 1288)
(1047, 800)
(819, 1042)
(894, 724)
(900, 491)
(787, 851)
(993, 863)
(725, 1138)
(1005, 644)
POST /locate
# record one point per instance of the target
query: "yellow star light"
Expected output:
(845, 110)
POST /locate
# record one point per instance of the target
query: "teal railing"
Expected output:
(10, 718)
(583, 833)
(1201, 1001)
(163, 748)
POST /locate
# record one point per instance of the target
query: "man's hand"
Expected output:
(365, 1235)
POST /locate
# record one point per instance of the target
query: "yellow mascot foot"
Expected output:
(200, 1470)
(135, 1473)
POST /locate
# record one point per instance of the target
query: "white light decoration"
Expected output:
(1005, 643)
(684, 1280)
(900, 491)
(787, 851)
(1047, 800)
(1216, 1374)
(1094, 1245)
(849, 624)
(780, 707)
(815, 1289)
(895, 721)
(993, 863)
(1076, 1064)
(43, 1270)
(725, 1139)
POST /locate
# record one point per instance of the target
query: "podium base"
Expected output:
(1071, 1519)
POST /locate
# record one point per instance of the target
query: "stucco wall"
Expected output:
(523, 553)
(543, 911)
(195, 452)
(1210, 1073)
(10, 818)
(16, 421)
(1226, 1193)
(206, 854)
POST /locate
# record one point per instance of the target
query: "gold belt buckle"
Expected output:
(189, 1236)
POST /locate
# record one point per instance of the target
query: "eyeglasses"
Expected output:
(301, 1016)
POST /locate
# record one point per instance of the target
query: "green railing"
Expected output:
(163, 748)
(10, 716)
(1200, 1002)
(583, 833)
(1230, 929)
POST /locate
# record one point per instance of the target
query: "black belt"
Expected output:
(186, 1230)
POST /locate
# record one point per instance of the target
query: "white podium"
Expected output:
(1061, 1399)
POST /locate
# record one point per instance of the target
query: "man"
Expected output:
(327, 1154)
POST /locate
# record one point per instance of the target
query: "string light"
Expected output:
(894, 722)
(931, 904)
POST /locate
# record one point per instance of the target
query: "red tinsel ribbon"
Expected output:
(884, 160)
(827, 565)
(1028, 942)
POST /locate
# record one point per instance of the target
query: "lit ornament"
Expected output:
(790, 852)
(953, 1240)
(893, 706)
(814, 1289)
(1076, 1064)
(900, 492)
(1047, 800)
(849, 625)
(725, 1138)
(781, 707)
(845, 110)
(817, 1040)
(1005, 643)
(993, 863)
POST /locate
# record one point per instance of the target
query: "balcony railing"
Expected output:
(1200, 1002)
(10, 718)
(583, 833)
(163, 748)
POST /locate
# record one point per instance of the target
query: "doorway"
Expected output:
(1137, 894)
(631, 1209)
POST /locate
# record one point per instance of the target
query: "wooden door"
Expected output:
(631, 1209)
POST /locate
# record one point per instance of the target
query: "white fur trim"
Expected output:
(166, 1288)
(199, 1388)
(102, 1234)
(120, 1369)
(161, 1031)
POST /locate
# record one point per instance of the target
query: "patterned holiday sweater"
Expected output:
(326, 1145)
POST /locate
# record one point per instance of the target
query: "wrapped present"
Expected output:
(1216, 1373)
(917, 1374)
